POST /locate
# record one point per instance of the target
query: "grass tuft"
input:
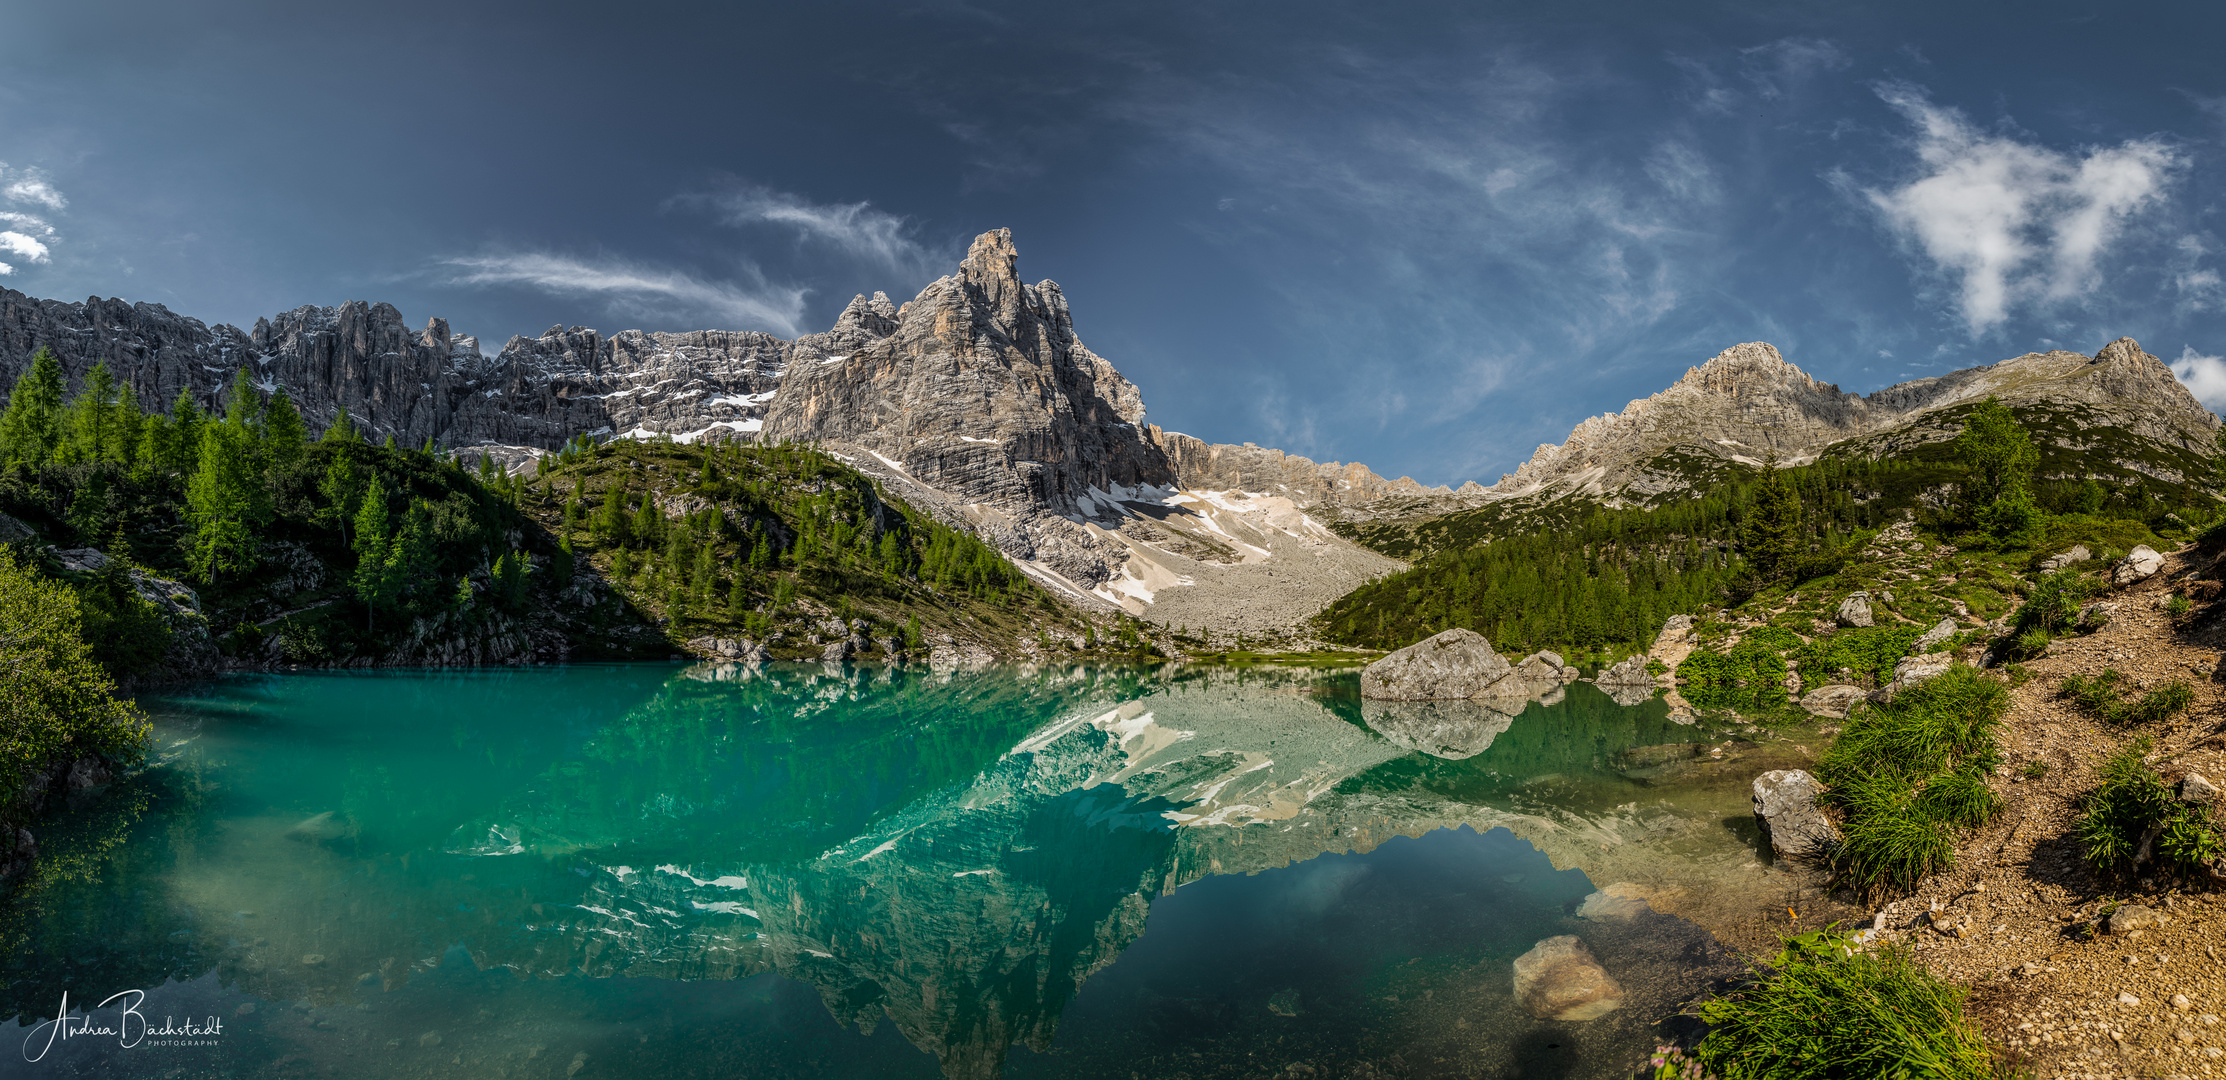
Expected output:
(2102, 697)
(1908, 773)
(1822, 1008)
(2132, 817)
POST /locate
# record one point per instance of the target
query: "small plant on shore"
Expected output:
(2101, 697)
(2133, 817)
(1907, 773)
(1674, 1063)
(2034, 770)
(1823, 1008)
(2178, 607)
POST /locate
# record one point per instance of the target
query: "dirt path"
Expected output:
(2013, 921)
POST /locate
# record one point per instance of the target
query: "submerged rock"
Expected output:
(1622, 900)
(2139, 563)
(1450, 665)
(1558, 979)
(1854, 611)
(1785, 802)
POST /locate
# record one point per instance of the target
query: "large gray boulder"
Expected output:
(1834, 701)
(1854, 611)
(1448, 666)
(1911, 670)
(1785, 802)
(2143, 561)
(1558, 979)
(1544, 666)
(1631, 672)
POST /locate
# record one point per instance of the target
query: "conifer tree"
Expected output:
(372, 546)
(243, 408)
(226, 500)
(1997, 454)
(342, 487)
(1772, 533)
(92, 424)
(186, 422)
(341, 430)
(31, 427)
(738, 593)
(284, 435)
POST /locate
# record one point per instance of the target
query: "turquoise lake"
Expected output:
(827, 871)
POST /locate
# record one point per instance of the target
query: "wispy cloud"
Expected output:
(856, 230)
(2204, 376)
(2013, 223)
(25, 236)
(661, 292)
(32, 186)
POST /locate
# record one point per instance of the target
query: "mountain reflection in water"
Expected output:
(949, 854)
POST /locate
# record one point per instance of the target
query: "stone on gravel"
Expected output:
(1941, 631)
(2058, 561)
(1447, 666)
(2132, 918)
(2096, 615)
(2139, 563)
(1834, 701)
(1559, 980)
(2195, 789)
(1785, 803)
(1854, 611)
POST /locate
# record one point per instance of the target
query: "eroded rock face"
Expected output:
(1450, 665)
(2143, 561)
(1785, 802)
(1558, 979)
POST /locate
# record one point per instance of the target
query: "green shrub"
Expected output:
(56, 702)
(127, 635)
(2133, 804)
(1869, 652)
(2054, 603)
(1821, 1008)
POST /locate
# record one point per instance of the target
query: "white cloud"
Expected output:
(2014, 223)
(2204, 376)
(22, 247)
(32, 186)
(855, 229)
(755, 304)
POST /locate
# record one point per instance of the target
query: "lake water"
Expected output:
(818, 871)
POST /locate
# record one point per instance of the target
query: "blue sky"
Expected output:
(1426, 236)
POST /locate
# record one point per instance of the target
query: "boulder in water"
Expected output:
(1448, 666)
(1785, 802)
(1451, 730)
(1559, 980)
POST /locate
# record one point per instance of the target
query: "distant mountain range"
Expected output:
(977, 398)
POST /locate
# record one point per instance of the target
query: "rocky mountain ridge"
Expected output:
(1749, 404)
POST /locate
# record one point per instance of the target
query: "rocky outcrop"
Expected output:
(1558, 979)
(1450, 665)
(1911, 670)
(191, 652)
(1941, 631)
(1785, 803)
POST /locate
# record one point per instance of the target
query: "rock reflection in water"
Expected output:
(953, 852)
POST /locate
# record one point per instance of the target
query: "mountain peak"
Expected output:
(1744, 366)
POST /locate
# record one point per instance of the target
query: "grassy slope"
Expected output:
(825, 525)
